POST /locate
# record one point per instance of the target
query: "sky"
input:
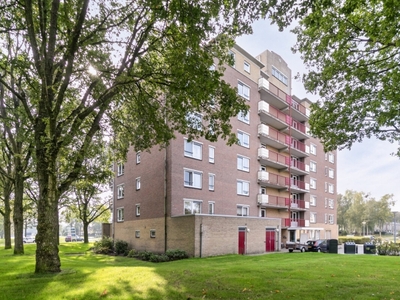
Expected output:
(368, 166)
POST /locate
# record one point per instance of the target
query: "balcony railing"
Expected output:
(273, 156)
(273, 179)
(295, 183)
(299, 165)
(300, 204)
(287, 222)
(297, 106)
(275, 201)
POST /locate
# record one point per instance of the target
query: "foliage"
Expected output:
(176, 254)
(132, 253)
(104, 246)
(121, 247)
(388, 248)
(169, 255)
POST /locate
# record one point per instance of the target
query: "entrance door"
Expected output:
(242, 240)
(270, 240)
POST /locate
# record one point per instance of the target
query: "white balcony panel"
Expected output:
(307, 223)
(263, 176)
(262, 199)
(263, 153)
(263, 83)
(263, 106)
(307, 168)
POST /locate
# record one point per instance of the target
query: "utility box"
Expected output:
(350, 248)
(369, 248)
(332, 246)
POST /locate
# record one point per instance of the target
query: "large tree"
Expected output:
(351, 48)
(141, 65)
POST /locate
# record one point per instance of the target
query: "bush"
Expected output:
(176, 254)
(132, 253)
(145, 255)
(158, 258)
(103, 246)
(388, 248)
(121, 247)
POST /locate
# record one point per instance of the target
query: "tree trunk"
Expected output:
(85, 232)
(18, 215)
(7, 222)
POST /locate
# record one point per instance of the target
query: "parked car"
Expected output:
(74, 238)
(317, 245)
(29, 239)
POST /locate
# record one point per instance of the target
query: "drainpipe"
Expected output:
(201, 240)
(165, 198)
(290, 163)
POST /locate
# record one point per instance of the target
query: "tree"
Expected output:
(352, 51)
(150, 65)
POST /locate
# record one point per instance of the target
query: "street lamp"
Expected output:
(363, 229)
(394, 226)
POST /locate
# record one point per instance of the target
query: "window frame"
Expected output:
(245, 210)
(313, 166)
(120, 214)
(192, 201)
(211, 207)
(193, 172)
(280, 76)
(314, 201)
(242, 88)
(137, 234)
(152, 233)
(138, 157)
(191, 154)
(242, 184)
(240, 163)
(313, 217)
(120, 191)
(211, 154)
(211, 185)
(246, 67)
(313, 183)
(313, 149)
(137, 210)
(244, 118)
(195, 120)
(138, 183)
(120, 169)
(240, 135)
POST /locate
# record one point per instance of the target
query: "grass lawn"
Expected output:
(271, 276)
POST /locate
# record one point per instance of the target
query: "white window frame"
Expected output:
(330, 203)
(331, 219)
(280, 76)
(244, 210)
(120, 169)
(326, 218)
(138, 158)
(313, 200)
(243, 90)
(211, 182)
(137, 210)
(245, 118)
(120, 191)
(137, 233)
(246, 66)
(331, 188)
(152, 233)
(331, 157)
(313, 149)
(243, 187)
(194, 204)
(313, 183)
(211, 154)
(193, 149)
(313, 166)
(211, 207)
(196, 178)
(331, 173)
(120, 214)
(244, 139)
(138, 183)
(313, 217)
(243, 163)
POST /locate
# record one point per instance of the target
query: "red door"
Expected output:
(269, 240)
(242, 240)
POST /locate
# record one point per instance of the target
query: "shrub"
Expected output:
(176, 254)
(132, 253)
(121, 247)
(158, 258)
(388, 248)
(103, 246)
(145, 255)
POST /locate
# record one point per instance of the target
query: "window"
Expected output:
(243, 90)
(331, 173)
(246, 67)
(211, 180)
(137, 233)
(326, 202)
(120, 214)
(313, 217)
(137, 210)
(120, 169)
(194, 120)
(331, 188)
(232, 58)
(211, 153)
(243, 187)
(193, 179)
(313, 200)
(244, 139)
(330, 219)
(331, 158)
(120, 191)
(326, 218)
(326, 186)
(138, 183)
(263, 213)
(242, 210)
(138, 158)
(279, 75)
(211, 208)
(192, 207)
(313, 149)
(330, 202)
(313, 166)
(313, 183)
(243, 163)
(244, 117)
(193, 149)
(152, 233)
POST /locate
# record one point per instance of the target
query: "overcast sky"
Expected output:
(369, 166)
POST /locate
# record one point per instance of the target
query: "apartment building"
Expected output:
(210, 199)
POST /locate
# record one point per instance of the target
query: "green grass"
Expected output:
(271, 276)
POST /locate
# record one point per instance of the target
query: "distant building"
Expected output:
(211, 199)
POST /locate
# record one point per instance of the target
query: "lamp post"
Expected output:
(363, 229)
(394, 226)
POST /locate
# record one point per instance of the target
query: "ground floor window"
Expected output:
(192, 207)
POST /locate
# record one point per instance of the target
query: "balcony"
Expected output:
(298, 130)
(272, 137)
(273, 159)
(298, 148)
(299, 168)
(272, 201)
(293, 223)
(267, 179)
(298, 205)
(272, 116)
(272, 94)
(298, 111)
(298, 186)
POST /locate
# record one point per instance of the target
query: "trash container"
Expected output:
(332, 246)
(369, 248)
(350, 248)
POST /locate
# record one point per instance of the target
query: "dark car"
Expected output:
(318, 245)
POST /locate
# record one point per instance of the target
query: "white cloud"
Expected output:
(368, 166)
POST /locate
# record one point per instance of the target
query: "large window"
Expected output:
(244, 117)
(331, 173)
(313, 200)
(279, 75)
(120, 191)
(242, 210)
(313, 149)
(331, 157)
(192, 207)
(120, 214)
(244, 139)
(192, 178)
(331, 188)
(243, 90)
(243, 187)
(313, 166)
(331, 203)
(193, 149)
(120, 169)
(243, 163)
(330, 219)
(211, 154)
